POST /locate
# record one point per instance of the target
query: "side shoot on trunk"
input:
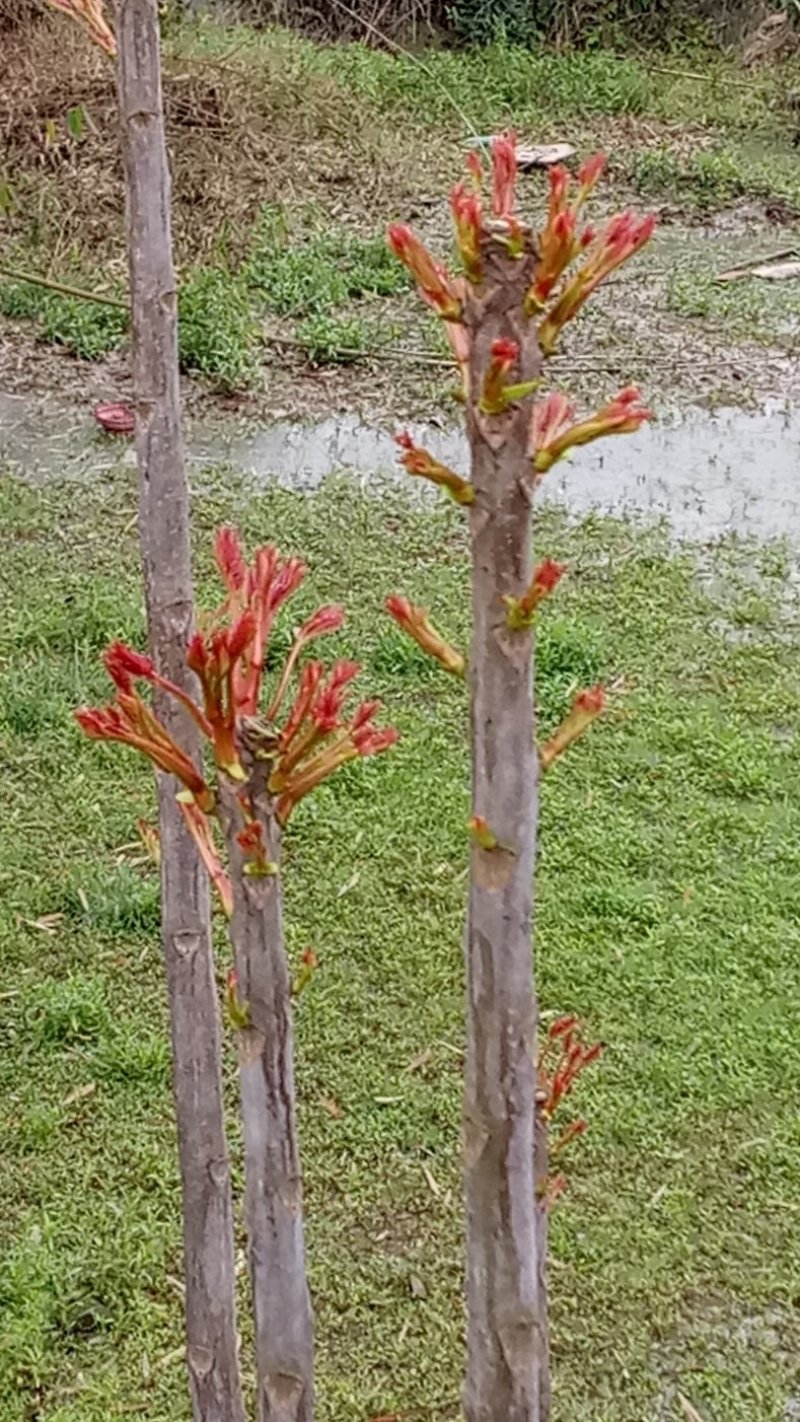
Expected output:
(503, 316)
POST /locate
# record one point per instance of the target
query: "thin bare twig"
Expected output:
(700, 78)
(13, 274)
(420, 357)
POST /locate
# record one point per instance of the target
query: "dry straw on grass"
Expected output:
(410, 20)
(237, 139)
(14, 14)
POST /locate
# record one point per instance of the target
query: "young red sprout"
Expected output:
(561, 1061)
(552, 434)
(125, 666)
(322, 623)
(423, 465)
(250, 840)
(317, 736)
(588, 174)
(623, 236)
(90, 14)
(259, 589)
(504, 174)
(231, 565)
(127, 719)
(441, 291)
(498, 392)
(522, 610)
(308, 966)
(506, 228)
(415, 621)
(435, 285)
(572, 1131)
(560, 242)
(216, 659)
(465, 206)
(199, 827)
(434, 282)
(494, 396)
(481, 833)
(554, 1187)
(587, 706)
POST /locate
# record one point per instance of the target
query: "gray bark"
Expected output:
(273, 1184)
(507, 1364)
(212, 1353)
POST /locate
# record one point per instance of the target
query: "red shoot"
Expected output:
(587, 706)
(552, 435)
(423, 465)
(434, 282)
(504, 174)
(415, 622)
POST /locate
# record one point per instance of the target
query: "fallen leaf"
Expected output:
(331, 1105)
(351, 883)
(80, 1093)
(689, 1411)
(176, 1355)
(417, 1287)
(422, 1060)
(48, 923)
(431, 1182)
(451, 1047)
(777, 271)
(760, 265)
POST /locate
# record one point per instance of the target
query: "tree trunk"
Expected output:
(212, 1350)
(273, 1184)
(507, 1366)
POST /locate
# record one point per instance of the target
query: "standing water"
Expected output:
(707, 474)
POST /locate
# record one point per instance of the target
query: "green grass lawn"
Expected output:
(669, 917)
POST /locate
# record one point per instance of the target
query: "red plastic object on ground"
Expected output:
(115, 418)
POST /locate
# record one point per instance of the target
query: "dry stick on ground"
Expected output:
(507, 1365)
(273, 1187)
(63, 289)
(186, 929)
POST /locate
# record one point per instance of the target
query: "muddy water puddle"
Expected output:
(707, 473)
